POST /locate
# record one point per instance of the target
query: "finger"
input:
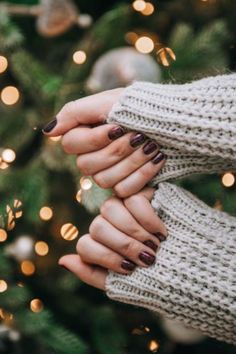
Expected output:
(89, 274)
(95, 253)
(141, 209)
(82, 140)
(106, 234)
(88, 110)
(138, 179)
(94, 162)
(116, 213)
(113, 175)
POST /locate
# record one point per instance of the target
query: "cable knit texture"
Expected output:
(194, 123)
(193, 279)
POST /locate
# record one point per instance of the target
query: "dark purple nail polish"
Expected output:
(116, 133)
(49, 127)
(137, 140)
(147, 258)
(151, 244)
(127, 265)
(160, 236)
(149, 147)
(158, 158)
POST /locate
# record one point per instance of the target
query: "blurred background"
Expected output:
(52, 52)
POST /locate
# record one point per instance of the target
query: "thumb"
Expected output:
(89, 274)
(84, 111)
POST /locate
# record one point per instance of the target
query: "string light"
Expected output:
(3, 165)
(69, 232)
(165, 56)
(41, 248)
(79, 196)
(228, 179)
(36, 305)
(85, 183)
(144, 45)
(8, 155)
(131, 37)
(3, 64)
(6, 316)
(55, 138)
(79, 57)
(3, 235)
(17, 205)
(148, 10)
(10, 95)
(139, 5)
(3, 286)
(46, 213)
(153, 346)
(27, 268)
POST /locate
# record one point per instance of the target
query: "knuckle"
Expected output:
(82, 165)
(66, 144)
(132, 200)
(119, 150)
(130, 248)
(107, 206)
(101, 181)
(145, 173)
(96, 226)
(68, 107)
(121, 191)
(82, 243)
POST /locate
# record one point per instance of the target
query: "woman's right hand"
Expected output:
(124, 161)
(126, 234)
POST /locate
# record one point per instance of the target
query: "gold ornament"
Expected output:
(13, 213)
(69, 232)
(165, 56)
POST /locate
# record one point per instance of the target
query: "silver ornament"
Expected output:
(120, 67)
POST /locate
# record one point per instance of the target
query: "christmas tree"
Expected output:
(53, 52)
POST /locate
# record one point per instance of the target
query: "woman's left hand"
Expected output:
(126, 234)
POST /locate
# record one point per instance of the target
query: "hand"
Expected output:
(115, 159)
(126, 234)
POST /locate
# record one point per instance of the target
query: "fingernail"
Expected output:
(63, 266)
(127, 265)
(158, 158)
(149, 147)
(151, 244)
(116, 133)
(147, 258)
(160, 236)
(49, 127)
(137, 140)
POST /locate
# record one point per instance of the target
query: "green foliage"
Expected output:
(10, 35)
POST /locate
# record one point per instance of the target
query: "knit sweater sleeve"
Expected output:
(193, 279)
(194, 123)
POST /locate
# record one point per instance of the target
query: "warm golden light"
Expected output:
(55, 138)
(153, 346)
(79, 57)
(131, 37)
(165, 56)
(69, 232)
(3, 286)
(148, 10)
(46, 213)
(3, 64)
(144, 45)
(17, 206)
(10, 95)
(228, 179)
(27, 268)
(79, 196)
(8, 155)
(3, 235)
(86, 183)
(41, 248)
(3, 165)
(139, 5)
(36, 305)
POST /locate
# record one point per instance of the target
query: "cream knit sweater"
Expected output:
(194, 277)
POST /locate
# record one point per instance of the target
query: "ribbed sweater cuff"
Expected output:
(193, 279)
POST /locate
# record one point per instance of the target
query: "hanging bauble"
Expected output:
(22, 248)
(54, 17)
(120, 67)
